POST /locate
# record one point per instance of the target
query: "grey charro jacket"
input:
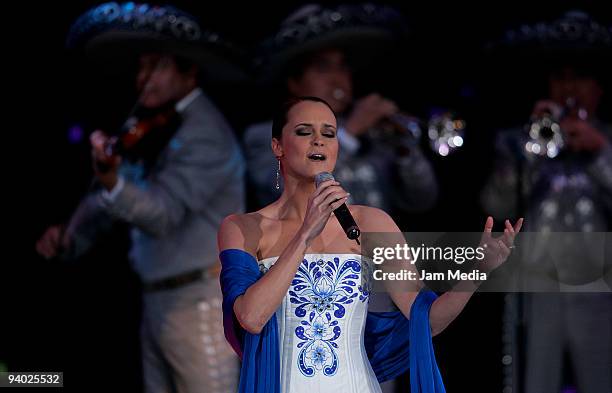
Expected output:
(176, 209)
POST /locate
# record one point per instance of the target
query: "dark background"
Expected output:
(82, 318)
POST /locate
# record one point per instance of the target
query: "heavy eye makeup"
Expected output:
(303, 130)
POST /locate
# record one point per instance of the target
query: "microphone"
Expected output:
(342, 213)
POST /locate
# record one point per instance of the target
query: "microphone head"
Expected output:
(323, 176)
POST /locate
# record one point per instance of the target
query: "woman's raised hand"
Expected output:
(498, 249)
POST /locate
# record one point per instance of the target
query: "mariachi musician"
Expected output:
(172, 175)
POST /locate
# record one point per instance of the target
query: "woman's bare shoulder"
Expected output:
(373, 219)
(366, 212)
(244, 220)
(240, 231)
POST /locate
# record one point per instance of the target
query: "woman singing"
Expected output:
(294, 307)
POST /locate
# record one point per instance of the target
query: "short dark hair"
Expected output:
(280, 117)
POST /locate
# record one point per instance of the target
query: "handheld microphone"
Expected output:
(342, 213)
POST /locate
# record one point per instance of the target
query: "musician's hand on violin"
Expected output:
(52, 241)
(105, 166)
(582, 136)
(368, 111)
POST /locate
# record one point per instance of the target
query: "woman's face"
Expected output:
(309, 142)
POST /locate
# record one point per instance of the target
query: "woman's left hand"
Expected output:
(498, 249)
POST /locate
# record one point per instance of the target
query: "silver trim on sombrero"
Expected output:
(575, 28)
(111, 27)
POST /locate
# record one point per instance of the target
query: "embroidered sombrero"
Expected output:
(113, 33)
(361, 31)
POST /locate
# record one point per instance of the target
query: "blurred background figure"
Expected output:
(315, 53)
(173, 173)
(557, 171)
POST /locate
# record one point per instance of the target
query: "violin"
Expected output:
(129, 140)
(136, 128)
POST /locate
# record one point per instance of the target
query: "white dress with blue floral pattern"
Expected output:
(321, 325)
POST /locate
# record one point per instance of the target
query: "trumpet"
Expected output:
(546, 138)
(445, 131)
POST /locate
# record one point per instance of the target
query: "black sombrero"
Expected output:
(362, 31)
(112, 33)
(575, 38)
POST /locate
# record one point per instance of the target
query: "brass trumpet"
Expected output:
(445, 131)
(546, 138)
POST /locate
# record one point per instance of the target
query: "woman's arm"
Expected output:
(261, 300)
(449, 305)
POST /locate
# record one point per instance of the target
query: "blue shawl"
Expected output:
(387, 344)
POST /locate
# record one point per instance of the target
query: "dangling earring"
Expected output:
(278, 174)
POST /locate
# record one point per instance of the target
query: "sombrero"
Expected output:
(112, 33)
(362, 31)
(575, 38)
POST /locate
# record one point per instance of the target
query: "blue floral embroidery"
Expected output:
(322, 289)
